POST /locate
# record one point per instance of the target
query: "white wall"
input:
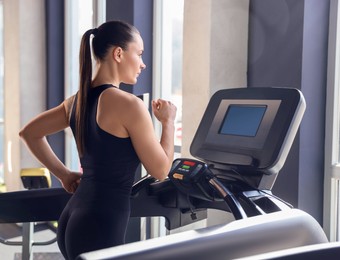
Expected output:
(25, 78)
(215, 49)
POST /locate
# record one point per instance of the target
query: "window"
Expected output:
(168, 58)
(1, 97)
(81, 15)
(78, 20)
(167, 74)
(332, 140)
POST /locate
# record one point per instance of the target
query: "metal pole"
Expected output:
(27, 240)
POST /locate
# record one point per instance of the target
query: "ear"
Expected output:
(117, 53)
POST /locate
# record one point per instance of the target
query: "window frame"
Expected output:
(331, 215)
(72, 44)
(161, 83)
(2, 85)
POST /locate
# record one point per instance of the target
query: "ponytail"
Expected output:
(106, 36)
(85, 77)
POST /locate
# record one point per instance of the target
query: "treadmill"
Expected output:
(240, 145)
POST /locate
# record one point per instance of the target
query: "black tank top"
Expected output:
(107, 159)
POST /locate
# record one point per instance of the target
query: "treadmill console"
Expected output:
(191, 177)
(249, 130)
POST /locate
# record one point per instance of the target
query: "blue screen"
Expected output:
(242, 120)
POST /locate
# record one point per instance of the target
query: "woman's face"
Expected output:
(132, 63)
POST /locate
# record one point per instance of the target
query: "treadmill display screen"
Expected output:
(242, 120)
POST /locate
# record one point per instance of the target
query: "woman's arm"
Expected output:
(34, 135)
(156, 156)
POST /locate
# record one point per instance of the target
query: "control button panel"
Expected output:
(189, 176)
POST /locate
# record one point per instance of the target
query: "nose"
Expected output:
(142, 66)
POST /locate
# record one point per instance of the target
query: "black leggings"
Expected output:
(91, 227)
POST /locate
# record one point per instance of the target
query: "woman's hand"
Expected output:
(164, 110)
(70, 181)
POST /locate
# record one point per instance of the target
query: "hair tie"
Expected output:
(94, 31)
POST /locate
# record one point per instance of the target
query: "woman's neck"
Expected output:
(105, 75)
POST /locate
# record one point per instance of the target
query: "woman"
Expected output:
(113, 132)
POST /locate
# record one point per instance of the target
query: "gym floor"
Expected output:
(42, 232)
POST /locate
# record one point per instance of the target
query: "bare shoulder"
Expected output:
(68, 104)
(119, 111)
(121, 101)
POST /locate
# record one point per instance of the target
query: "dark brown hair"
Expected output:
(109, 34)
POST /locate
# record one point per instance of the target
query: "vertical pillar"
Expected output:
(24, 69)
(275, 59)
(288, 48)
(215, 45)
(55, 70)
(313, 85)
(140, 14)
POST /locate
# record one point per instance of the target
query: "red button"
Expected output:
(189, 163)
